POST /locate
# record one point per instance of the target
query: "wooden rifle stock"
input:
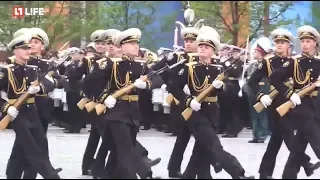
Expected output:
(23, 98)
(100, 108)
(170, 98)
(285, 107)
(188, 111)
(81, 104)
(259, 106)
(90, 106)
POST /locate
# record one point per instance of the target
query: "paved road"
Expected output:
(66, 151)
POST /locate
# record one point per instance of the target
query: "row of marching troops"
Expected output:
(112, 86)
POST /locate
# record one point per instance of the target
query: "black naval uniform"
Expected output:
(231, 120)
(123, 120)
(304, 69)
(30, 146)
(202, 124)
(281, 130)
(183, 133)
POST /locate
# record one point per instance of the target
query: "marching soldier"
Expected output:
(281, 131)
(204, 119)
(304, 69)
(189, 34)
(31, 143)
(121, 125)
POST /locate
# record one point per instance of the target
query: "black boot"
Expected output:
(262, 176)
(175, 174)
(310, 168)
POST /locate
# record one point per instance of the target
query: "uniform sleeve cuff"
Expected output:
(102, 97)
(5, 107)
(188, 101)
(289, 93)
(260, 94)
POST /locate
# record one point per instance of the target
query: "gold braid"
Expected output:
(269, 67)
(116, 79)
(195, 87)
(296, 74)
(13, 80)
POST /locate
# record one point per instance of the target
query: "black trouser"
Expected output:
(77, 117)
(205, 135)
(91, 148)
(179, 149)
(281, 131)
(30, 146)
(199, 164)
(308, 131)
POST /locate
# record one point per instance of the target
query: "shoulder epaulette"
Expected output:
(32, 66)
(216, 65)
(317, 56)
(180, 52)
(89, 57)
(116, 59)
(12, 59)
(45, 60)
(101, 60)
(297, 56)
(140, 61)
(191, 63)
(8, 66)
(269, 56)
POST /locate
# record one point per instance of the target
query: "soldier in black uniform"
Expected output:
(30, 146)
(204, 119)
(281, 131)
(304, 69)
(121, 126)
(189, 34)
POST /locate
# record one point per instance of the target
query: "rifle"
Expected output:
(285, 107)
(259, 106)
(188, 111)
(100, 108)
(23, 98)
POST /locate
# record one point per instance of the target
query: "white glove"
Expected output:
(110, 102)
(49, 78)
(140, 84)
(51, 94)
(164, 86)
(217, 84)
(295, 99)
(266, 100)
(13, 112)
(241, 82)
(317, 84)
(33, 89)
(195, 105)
(186, 89)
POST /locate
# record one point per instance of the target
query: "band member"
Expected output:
(304, 69)
(122, 128)
(31, 142)
(259, 120)
(281, 131)
(204, 119)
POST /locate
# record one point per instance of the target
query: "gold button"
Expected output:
(270, 60)
(309, 60)
(193, 67)
(141, 64)
(129, 100)
(129, 63)
(117, 63)
(282, 60)
(207, 68)
(311, 78)
(26, 77)
(311, 69)
(298, 60)
(209, 103)
(208, 76)
(235, 67)
(130, 72)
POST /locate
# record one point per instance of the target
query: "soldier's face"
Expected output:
(101, 46)
(131, 48)
(36, 46)
(190, 45)
(22, 53)
(308, 45)
(111, 48)
(282, 46)
(118, 51)
(257, 55)
(225, 52)
(205, 51)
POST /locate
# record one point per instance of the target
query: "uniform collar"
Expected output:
(280, 55)
(307, 55)
(35, 56)
(126, 57)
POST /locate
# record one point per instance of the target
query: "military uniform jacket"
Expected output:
(15, 80)
(304, 69)
(120, 74)
(265, 68)
(197, 76)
